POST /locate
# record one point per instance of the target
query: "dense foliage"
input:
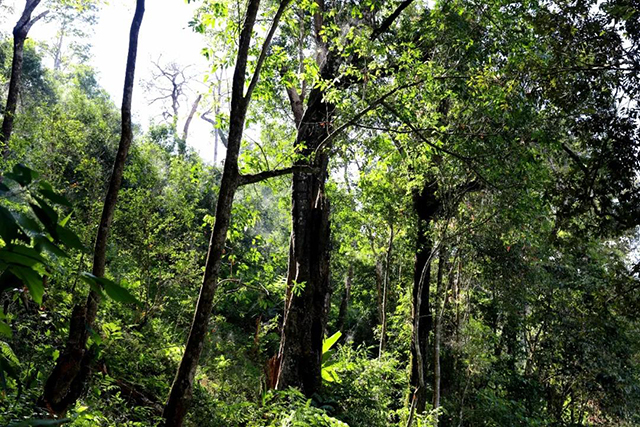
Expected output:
(482, 168)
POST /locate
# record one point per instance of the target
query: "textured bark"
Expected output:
(66, 382)
(182, 387)
(426, 205)
(305, 319)
(306, 311)
(20, 32)
(300, 354)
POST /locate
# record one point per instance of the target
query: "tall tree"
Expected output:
(308, 289)
(66, 381)
(181, 389)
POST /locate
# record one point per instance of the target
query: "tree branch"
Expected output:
(575, 158)
(261, 176)
(194, 107)
(386, 24)
(223, 137)
(265, 48)
(357, 116)
(466, 160)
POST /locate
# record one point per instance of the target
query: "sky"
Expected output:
(164, 35)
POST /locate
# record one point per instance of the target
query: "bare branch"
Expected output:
(194, 107)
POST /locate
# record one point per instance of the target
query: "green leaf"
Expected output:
(9, 228)
(46, 214)
(54, 197)
(69, 238)
(66, 219)
(32, 280)
(111, 288)
(330, 375)
(327, 343)
(93, 283)
(15, 255)
(4, 189)
(45, 185)
(9, 362)
(27, 223)
(42, 243)
(5, 329)
(117, 292)
(22, 175)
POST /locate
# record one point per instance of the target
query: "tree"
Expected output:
(180, 394)
(66, 381)
(169, 85)
(309, 290)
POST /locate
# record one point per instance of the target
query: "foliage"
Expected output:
(520, 119)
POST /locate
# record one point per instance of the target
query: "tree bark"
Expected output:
(426, 205)
(182, 387)
(308, 291)
(305, 319)
(66, 382)
(20, 32)
(437, 335)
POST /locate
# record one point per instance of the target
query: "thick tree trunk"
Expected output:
(426, 206)
(20, 32)
(66, 382)
(305, 319)
(308, 294)
(306, 310)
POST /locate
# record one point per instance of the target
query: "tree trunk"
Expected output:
(182, 387)
(379, 272)
(385, 292)
(187, 123)
(20, 32)
(426, 206)
(344, 303)
(66, 382)
(305, 319)
(309, 292)
(437, 335)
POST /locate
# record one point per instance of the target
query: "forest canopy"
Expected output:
(417, 213)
